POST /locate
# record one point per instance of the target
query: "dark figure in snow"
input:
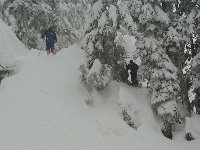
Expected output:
(51, 39)
(133, 67)
(196, 101)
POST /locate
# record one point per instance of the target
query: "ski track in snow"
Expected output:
(43, 108)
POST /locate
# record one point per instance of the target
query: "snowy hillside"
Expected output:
(43, 108)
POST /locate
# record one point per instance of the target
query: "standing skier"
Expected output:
(51, 39)
(133, 67)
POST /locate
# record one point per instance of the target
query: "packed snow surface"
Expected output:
(43, 108)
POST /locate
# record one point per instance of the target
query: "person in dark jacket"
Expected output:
(133, 67)
(51, 39)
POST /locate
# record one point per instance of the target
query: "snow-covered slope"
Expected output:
(43, 108)
(11, 49)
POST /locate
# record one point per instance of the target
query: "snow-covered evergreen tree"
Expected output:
(196, 70)
(156, 66)
(179, 43)
(104, 35)
(70, 18)
(195, 49)
(30, 18)
(97, 77)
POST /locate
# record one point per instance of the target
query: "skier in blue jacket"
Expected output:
(51, 39)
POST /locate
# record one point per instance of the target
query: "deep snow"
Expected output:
(11, 49)
(43, 108)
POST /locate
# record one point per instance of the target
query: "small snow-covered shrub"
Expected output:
(129, 116)
(98, 76)
(189, 137)
(129, 109)
(3, 72)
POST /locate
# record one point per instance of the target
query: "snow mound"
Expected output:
(43, 108)
(12, 50)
